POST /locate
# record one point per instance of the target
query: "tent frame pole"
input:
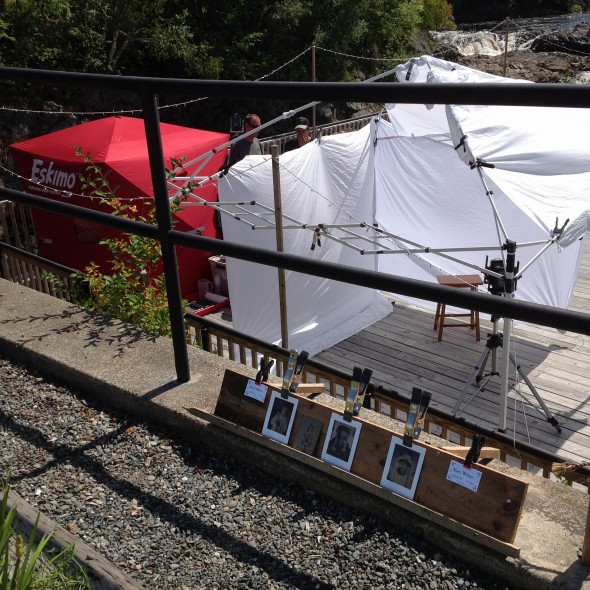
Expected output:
(276, 179)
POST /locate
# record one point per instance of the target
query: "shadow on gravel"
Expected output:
(276, 569)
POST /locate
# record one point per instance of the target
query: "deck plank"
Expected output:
(403, 352)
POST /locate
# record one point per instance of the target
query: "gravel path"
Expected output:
(184, 518)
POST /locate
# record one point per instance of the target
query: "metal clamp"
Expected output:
(419, 403)
(356, 394)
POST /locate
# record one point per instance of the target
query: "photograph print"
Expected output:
(341, 441)
(402, 468)
(279, 417)
(307, 435)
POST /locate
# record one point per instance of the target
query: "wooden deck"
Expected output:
(403, 352)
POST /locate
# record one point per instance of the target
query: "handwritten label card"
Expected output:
(257, 392)
(468, 478)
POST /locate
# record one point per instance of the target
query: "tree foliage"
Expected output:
(207, 38)
(102, 36)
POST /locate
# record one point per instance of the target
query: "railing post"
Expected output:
(586, 546)
(204, 338)
(164, 217)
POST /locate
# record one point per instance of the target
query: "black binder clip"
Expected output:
(262, 375)
(473, 454)
(317, 234)
(356, 394)
(419, 403)
(363, 385)
(316, 241)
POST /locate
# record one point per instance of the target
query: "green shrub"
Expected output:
(134, 291)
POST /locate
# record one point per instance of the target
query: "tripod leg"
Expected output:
(550, 417)
(477, 370)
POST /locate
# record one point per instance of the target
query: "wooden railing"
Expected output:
(321, 130)
(59, 281)
(38, 273)
(16, 226)
(220, 339)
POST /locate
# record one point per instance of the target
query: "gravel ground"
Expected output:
(184, 518)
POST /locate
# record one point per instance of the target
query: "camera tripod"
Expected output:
(495, 341)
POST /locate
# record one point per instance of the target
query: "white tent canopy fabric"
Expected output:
(415, 176)
(322, 182)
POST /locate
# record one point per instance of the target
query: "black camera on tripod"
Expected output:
(500, 285)
(495, 284)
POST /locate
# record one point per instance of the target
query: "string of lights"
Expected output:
(64, 194)
(138, 111)
(284, 65)
(185, 103)
(387, 59)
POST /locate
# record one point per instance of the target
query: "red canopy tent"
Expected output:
(118, 145)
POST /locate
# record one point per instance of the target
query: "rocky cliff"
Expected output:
(562, 56)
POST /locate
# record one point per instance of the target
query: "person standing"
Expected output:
(247, 146)
(303, 135)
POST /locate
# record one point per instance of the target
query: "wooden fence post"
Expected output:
(586, 547)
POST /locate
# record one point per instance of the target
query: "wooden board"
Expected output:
(495, 509)
(442, 520)
(103, 574)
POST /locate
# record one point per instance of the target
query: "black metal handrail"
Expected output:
(555, 95)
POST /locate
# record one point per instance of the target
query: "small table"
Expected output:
(460, 282)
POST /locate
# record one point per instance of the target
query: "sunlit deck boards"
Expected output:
(403, 352)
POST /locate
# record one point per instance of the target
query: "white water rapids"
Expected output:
(490, 39)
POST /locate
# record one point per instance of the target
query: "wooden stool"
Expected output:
(460, 282)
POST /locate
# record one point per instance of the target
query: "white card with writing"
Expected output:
(258, 392)
(464, 476)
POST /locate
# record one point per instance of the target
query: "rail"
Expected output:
(212, 336)
(16, 226)
(344, 126)
(148, 90)
(38, 273)
(221, 339)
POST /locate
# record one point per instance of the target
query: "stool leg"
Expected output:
(441, 321)
(477, 335)
(436, 316)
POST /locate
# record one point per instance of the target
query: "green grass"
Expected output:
(28, 564)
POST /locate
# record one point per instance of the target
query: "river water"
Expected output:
(489, 38)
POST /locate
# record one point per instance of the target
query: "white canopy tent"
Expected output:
(457, 179)
(326, 181)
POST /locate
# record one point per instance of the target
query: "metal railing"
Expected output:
(59, 281)
(515, 94)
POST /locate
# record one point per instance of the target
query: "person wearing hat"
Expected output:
(247, 146)
(303, 135)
